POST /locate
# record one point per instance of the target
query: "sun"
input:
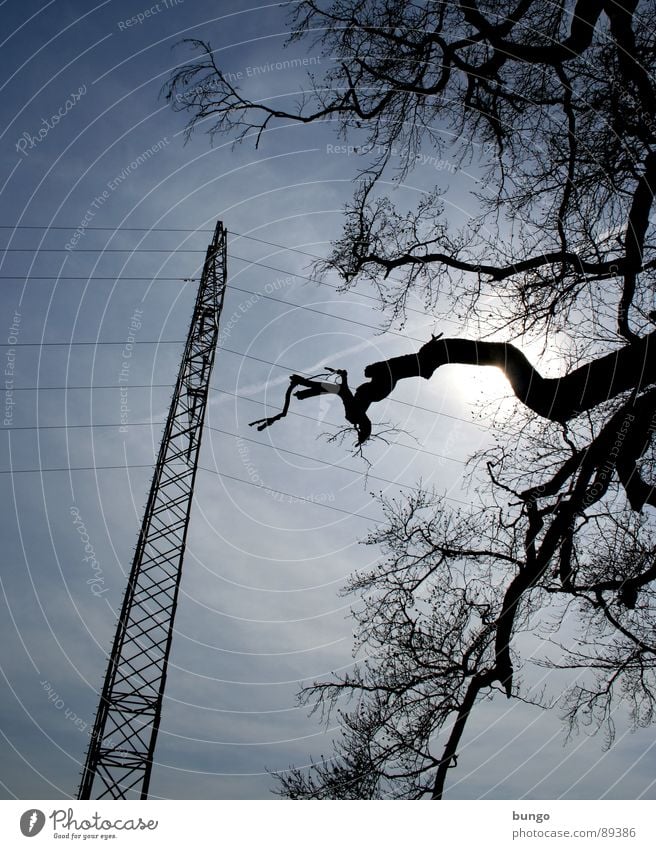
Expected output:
(478, 383)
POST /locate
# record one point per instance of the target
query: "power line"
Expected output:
(98, 342)
(316, 311)
(104, 250)
(76, 469)
(123, 229)
(245, 356)
(259, 264)
(318, 282)
(89, 425)
(319, 460)
(91, 279)
(276, 245)
(328, 315)
(97, 386)
(264, 296)
(127, 466)
(333, 424)
(337, 287)
(120, 229)
(187, 279)
(393, 400)
(415, 448)
(291, 496)
(268, 445)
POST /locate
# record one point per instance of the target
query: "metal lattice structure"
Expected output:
(120, 756)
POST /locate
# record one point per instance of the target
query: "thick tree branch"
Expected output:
(567, 259)
(352, 411)
(636, 230)
(558, 399)
(600, 459)
(449, 755)
(632, 367)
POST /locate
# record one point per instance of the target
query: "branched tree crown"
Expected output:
(554, 106)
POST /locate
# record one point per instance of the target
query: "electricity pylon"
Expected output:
(120, 755)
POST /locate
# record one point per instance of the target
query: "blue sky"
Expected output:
(88, 142)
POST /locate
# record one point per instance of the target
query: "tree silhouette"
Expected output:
(554, 105)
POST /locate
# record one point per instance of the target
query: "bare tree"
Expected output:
(555, 106)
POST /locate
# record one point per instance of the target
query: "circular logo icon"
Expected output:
(32, 822)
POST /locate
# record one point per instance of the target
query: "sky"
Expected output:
(105, 213)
